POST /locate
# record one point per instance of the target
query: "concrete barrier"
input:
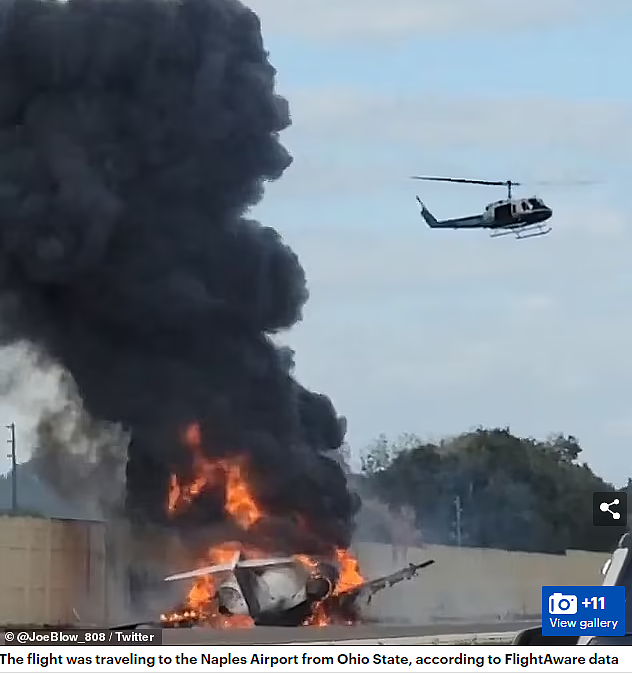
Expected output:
(53, 572)
(456, 639)
(471, 584)
(54, 568)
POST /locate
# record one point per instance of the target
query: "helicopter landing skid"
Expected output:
(526, 232)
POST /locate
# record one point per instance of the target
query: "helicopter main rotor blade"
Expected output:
(564, 182)
(466, 180)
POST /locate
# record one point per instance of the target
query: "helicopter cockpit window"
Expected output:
(535, 203)
(526, 206)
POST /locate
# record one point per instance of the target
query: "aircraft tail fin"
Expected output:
(427, 216)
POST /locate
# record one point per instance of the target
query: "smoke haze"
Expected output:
(134, 137)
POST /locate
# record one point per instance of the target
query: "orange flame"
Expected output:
(201, 597)
(239, 502)
(241, 506)
(350, 577)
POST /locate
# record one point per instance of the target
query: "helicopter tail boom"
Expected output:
(470, 222)
(427, 216)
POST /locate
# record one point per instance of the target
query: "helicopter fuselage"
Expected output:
(516, 212)
(507, 215)
(524, 217)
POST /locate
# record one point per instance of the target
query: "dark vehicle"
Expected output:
(616, 572)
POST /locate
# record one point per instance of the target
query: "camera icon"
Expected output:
(562, 604)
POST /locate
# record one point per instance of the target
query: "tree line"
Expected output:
(489, 488)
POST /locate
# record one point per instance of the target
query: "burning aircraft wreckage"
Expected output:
(290, 591)
(136, 135)
(242, 586)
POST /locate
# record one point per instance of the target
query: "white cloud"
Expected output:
(436, 120)
(395, 258)
(361, 147)
(396, 19)
(404, 366)
(437, 332)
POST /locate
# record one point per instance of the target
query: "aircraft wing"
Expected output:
(205, 571)
(234, 563)
(368, 589)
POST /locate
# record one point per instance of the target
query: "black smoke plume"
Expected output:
(134, 137)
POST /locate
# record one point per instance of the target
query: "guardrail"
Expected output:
(464, 639)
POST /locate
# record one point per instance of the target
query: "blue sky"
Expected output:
(434, 333)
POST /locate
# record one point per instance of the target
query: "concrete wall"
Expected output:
(464, 583)
(145, 560)
(469, 583)
(52, 571)
(56, 571)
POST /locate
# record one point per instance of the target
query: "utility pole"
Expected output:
(14, 469)
(458, 509)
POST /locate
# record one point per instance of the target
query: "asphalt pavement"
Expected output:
(275, 636)
(305, 635)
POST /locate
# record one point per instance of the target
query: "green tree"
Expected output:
(513, 493)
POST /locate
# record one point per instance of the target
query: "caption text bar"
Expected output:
(82, 636)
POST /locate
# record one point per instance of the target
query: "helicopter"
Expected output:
(522, 217)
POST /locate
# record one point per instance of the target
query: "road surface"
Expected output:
(262, 636)
(272, 635)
